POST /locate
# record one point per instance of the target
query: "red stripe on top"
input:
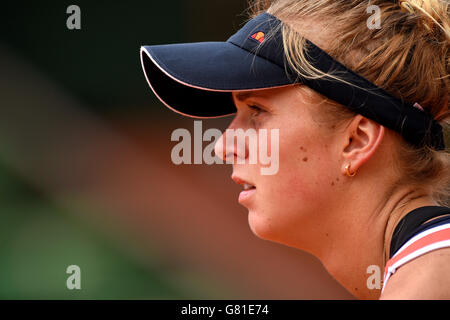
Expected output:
(431, 238)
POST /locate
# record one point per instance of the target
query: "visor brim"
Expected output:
(196, 79)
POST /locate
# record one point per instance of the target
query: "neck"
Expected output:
(357, 258)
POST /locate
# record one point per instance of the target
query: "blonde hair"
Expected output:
(408, 56)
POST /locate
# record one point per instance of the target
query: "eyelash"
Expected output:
(257, 110)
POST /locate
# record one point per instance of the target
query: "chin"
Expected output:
(261, 226)
(271, 229)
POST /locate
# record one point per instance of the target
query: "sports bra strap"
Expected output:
(408, 225)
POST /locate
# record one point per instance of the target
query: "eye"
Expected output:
(255, 110)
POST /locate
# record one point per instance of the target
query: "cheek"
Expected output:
(295, 189)
(304, 168)
(284, 201)
(289, 201)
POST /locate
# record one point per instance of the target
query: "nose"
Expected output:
(228, 147)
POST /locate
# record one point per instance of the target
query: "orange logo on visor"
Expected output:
(258, 36)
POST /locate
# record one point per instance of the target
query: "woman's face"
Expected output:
(291, 205)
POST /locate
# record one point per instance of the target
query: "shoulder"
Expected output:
(425, 277)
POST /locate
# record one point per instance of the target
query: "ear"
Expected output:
(363, 136)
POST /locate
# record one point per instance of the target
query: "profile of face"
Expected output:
(289, 206)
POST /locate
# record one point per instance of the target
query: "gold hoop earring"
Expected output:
(347, 171)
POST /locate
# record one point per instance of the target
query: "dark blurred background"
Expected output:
(85, 171)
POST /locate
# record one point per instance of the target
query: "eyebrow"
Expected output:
(243, 95)
(246, 94)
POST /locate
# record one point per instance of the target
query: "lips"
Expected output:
(249, 189)
(245, 184)
(248, 186)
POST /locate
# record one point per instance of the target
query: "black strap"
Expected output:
(412, 223)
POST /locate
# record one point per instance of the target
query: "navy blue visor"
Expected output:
(197, 79)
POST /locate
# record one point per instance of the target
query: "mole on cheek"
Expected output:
(305, 159)
(332, 183)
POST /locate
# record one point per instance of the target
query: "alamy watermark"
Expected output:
(374, 21)
(74, 280)
(73, 22)
(374, 281)
(250, 146)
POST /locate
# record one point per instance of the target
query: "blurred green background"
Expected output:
(40, 240)
(99, 65)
